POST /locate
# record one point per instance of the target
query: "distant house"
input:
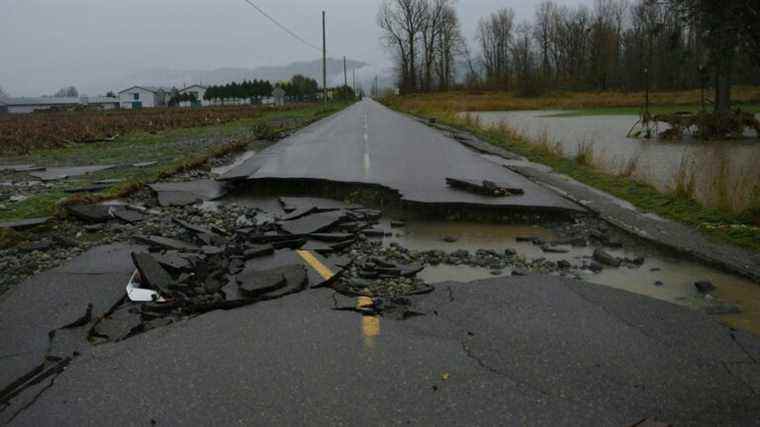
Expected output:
(3, 106)
(199, 92)
(143, 97)
(100, 102)
(279, 96)
(30, 105)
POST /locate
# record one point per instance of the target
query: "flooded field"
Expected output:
(721, 173)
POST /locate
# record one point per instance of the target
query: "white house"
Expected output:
(199, 92)
(279, 96)
(30, 105)
(143, 97)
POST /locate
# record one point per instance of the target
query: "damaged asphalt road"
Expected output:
(370, 144)
(535, 348)
(294, 310)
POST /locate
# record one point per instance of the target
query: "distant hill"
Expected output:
(178, 78)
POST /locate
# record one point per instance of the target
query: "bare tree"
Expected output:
(3, 93)
(495, 38)
(544, 33)
(450, 46)
(402, 22)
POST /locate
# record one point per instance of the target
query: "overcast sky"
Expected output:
(48, 44)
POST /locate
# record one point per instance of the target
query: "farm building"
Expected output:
(279, 96)
(199, 92)
(30, 105)
(143, 97)
(100, 102)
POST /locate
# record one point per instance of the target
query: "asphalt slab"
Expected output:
(370, 144)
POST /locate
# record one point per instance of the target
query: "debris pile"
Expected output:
(484, 188)
(190, 269)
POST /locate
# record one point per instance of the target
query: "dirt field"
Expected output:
(20, 134)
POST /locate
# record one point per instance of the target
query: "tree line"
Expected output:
(298, 88)
(244, 90)
(615, 44)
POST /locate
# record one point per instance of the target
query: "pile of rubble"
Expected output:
(189, 269)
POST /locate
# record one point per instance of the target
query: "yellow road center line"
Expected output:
(310, 259)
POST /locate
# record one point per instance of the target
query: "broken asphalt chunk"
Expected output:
(337, 247)
(299, 213)
(254, 283)
(119, 325)
(152, 275)
(25, 223)
(297, 280)
(67, 342)
(159, 242)
(255, 251)
(295, 243)
(194, 228)
(130, 216)
(376, 232)
(91, 213)
(331, 237)
(172, 261)
(603, 257)
(187, 193)
(484, 188)
(314, 223)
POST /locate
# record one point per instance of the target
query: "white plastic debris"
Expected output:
(138, 294)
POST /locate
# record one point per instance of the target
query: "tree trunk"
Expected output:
(723, 86)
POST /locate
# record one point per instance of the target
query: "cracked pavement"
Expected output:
(538, 348)
(535, 349)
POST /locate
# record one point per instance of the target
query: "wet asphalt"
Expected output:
(370, 144)
(534, 350)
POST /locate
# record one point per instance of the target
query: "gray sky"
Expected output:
(48, 44)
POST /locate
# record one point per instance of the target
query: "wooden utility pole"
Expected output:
(345, 73)
(324, 58)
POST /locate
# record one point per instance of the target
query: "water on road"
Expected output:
(677, 276)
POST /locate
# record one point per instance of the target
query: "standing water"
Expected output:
(721, 173)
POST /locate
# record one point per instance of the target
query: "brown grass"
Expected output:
(585, 154)
(684, 179)
(501, 101)
(19, 134)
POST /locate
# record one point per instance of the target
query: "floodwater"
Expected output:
(676, 275)
(723, 173)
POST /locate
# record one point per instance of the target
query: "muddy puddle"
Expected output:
(661, 276)
(676, 277)
(717, 169)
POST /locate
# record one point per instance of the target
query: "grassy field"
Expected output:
(172, 150)
(741, 228)
(590, 102)
(21, 134)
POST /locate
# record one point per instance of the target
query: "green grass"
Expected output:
(174, 150)
(635, 111)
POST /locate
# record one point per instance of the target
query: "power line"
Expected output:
(286, 29)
